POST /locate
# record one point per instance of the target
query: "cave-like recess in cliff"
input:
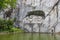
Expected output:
(36, 13)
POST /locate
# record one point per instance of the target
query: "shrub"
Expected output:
(5, 24)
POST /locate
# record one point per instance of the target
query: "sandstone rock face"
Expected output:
(36, 23)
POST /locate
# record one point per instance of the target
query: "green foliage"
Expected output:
(6, 24)
(15, 29)
(6, 3)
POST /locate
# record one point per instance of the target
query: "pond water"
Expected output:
(29, 36)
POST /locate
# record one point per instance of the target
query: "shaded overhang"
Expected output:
(36, 13)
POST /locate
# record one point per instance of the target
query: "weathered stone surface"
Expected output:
(49, 23)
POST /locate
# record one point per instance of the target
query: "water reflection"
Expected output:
(29, 36)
